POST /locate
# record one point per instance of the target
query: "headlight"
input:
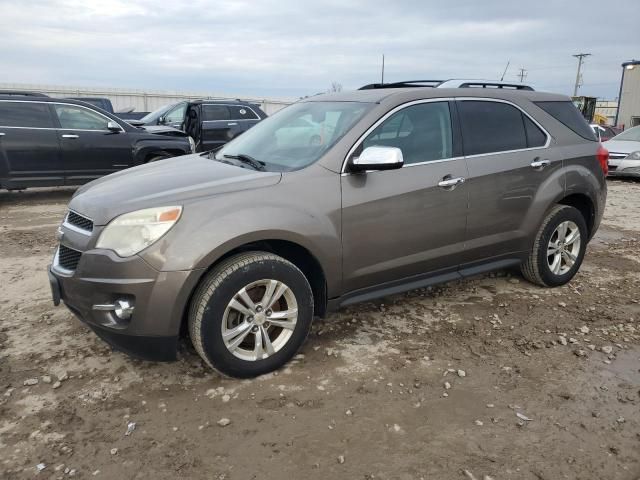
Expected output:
(633, 156)
(192, 144)
(132, 232)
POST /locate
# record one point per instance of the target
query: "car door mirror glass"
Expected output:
(378, 158)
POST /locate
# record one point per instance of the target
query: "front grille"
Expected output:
(79, 221)
(68, 258)
(617, 156)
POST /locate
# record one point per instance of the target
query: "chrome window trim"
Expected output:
(446, 99)
(70, 129)
(232, 105)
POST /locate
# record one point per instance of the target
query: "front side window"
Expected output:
(491, 127)
(176, 115)
(240, 112)
(216, 112)
(77, 118)
(422, 132)
(297, 135)
(25, 114)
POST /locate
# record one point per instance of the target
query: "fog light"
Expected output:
(123, 309)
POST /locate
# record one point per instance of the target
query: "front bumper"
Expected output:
(624, 168)
(159, 300)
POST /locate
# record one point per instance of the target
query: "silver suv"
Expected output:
(334, 200)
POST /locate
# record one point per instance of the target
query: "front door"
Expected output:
(403, 223)
(509, 160)
(89, 149)
(29, 149)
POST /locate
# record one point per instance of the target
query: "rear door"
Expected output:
(89, 149)
(217, 126)
(404, 223)
(243, 116)
(508, 161)
(29, 149)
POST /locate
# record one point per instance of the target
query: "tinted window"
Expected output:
(78, 118)
(491, 127)
(535, 136)
(567, 113)
(25, 114)
(422, 132)
(240, 112)
(216, 112)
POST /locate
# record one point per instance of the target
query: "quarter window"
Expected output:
(490, 127)
(535, 136)
(25, 114)
(240, 112)
(216, 112)
(78, 118)
(422, 132)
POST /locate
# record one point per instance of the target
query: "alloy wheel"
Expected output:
(563, 248)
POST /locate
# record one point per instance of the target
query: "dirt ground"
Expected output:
(491, 378)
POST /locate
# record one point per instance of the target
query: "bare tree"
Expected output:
(335, 87)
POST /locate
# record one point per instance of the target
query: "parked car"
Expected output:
(624, 156)
(106, 105)
(48, 142)
(243, 246)
(211, 123)
(604, 132)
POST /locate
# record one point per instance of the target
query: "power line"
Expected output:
(580, 57)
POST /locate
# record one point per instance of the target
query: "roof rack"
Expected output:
(454, 83)
(22, 93)
(403, 84)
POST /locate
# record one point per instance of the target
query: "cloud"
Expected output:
(291, 48)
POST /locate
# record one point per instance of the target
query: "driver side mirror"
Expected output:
(377, 158)
(113, 127)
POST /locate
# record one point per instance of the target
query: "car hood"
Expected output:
(164, 183)
(622, 146)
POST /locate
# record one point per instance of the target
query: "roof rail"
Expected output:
(454, 83)
(22, 93)
(403, 84)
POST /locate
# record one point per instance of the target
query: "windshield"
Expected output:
(631, 135)
(296, 136)
(156, 114)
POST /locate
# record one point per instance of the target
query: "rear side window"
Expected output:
(535, 136)
(491, 127)
(25, 114)
(216, 112)
(240, 112)
(566, 112)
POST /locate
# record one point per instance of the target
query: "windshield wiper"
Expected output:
(249, 160)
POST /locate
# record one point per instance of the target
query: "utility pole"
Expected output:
(522, 75)
(580, 57)
(382, 81)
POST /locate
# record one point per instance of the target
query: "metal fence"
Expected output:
(141, 100)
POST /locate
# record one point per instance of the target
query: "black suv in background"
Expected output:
(211, 123)
(51, 142)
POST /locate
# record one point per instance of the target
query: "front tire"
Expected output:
(250, 314)
(558, 249)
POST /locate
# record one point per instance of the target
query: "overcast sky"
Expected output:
(290, 48)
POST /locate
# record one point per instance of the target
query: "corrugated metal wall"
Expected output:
(141, 100)
(630, 98)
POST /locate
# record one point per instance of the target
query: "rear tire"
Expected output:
(558, 249)
(250, 314)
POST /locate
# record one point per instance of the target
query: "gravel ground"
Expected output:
(491, 378)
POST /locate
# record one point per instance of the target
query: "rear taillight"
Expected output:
(603, 158)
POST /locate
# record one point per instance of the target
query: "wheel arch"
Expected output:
(584, 205)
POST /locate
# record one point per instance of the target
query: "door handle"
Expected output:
(450, 182)
(69, 135)
(232, 124)
(540, 164)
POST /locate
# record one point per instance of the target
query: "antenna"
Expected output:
(382, 81)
